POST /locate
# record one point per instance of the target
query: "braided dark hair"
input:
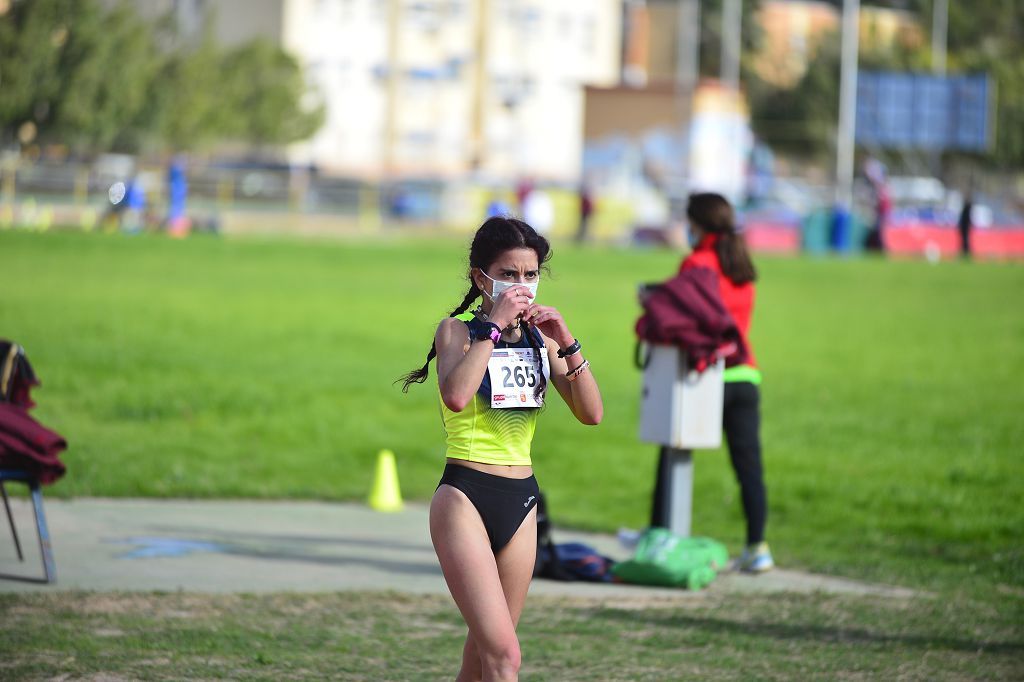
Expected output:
(496, 236)
(713, 213)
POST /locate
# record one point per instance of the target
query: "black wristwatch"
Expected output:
(572, 349)
(489, 331)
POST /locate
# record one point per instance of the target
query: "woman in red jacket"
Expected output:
(718, 247)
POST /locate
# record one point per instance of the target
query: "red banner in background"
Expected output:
(772, 237)
(918, 238)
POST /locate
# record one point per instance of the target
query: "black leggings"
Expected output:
(741, 420)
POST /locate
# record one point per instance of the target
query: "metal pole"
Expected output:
(732, 30)
(477, 142)
(940, 24)
(688, 45)
(394, 74)
(847, 105)
(687, 68)
(940, 31)
(677, 500)
(49, 566)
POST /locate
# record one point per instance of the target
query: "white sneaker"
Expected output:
(756, 559)
(629, 538)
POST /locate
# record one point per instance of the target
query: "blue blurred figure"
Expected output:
(134, 206)
(496, 208)
(177, 193)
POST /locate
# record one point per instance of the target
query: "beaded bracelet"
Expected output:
(574, 374)
(572, 349)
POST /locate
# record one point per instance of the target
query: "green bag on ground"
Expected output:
(663, 558)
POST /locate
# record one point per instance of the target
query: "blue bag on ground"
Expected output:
(577, 561)
(665, 559)
(569, 560)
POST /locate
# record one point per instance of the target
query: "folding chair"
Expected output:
(49, 569)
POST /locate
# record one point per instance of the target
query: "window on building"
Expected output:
(456, 8)
(565, 25)
(589, 34)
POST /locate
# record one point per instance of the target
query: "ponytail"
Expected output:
(734, 258)
(531, 335)
(418, 376)
(713, 214)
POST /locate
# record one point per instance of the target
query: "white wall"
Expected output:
(538, 56)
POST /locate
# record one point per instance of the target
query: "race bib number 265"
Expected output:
(514, 377)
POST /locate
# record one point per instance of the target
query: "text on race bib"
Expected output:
(514, 377)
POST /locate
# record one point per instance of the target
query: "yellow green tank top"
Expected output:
(483, 434)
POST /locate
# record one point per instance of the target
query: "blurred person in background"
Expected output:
(523, 189)
(134, 206)
(496, 207)
(965, 224)
(875, 240)
(539, 211)
(875, 172)
(586, 208)
(494, 365)
(718, 247)
(177, 194)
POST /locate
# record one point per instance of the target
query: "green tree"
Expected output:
(188, 108)
(77, 71)
(92, 76)
(987, 36)
(994, 26)
(800, 121)
(711, 33)
(1007, 150)
(266, 86)
(253, 93)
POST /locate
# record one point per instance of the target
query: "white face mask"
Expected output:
(498, 286)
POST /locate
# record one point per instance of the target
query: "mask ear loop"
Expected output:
(482, 290)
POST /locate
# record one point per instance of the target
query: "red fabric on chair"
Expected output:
(26, 445)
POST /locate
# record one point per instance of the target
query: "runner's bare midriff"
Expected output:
(503, 470)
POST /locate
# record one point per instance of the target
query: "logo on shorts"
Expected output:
(527, 503)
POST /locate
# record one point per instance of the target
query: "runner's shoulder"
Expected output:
(451, 327)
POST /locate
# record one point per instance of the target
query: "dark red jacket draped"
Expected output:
(737, 298)
(687, 311)
(25, 444)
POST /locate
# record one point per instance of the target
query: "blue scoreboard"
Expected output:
(923, 111)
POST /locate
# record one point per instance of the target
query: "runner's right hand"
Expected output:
(510, 305)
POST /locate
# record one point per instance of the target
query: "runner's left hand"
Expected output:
(549, 321)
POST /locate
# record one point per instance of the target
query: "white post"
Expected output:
(847, 104)
(688, 45)
(394, 75)
(732, 30)
(687, 69)
(940, 30)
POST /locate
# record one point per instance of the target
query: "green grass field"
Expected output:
(892, 401)
(351, 636)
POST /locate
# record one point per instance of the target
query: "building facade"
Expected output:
(439, 88)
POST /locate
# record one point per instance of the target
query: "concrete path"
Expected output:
(247, 546)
